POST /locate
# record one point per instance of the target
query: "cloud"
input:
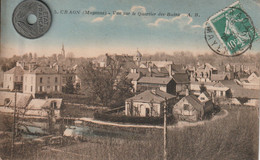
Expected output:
(91, 9)
(138, 8)
(182, 20)
(99, 19)
(199, 26)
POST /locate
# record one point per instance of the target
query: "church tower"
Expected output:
(63, 50)
(138, 58)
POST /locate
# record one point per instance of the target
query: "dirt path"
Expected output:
(178, 125)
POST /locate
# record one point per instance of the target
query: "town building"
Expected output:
(149, 103)
(192, 108)
(204, 73)
(9, 100)
(252, 82)
(13, 79)
(44, 108)
(42, 80)
(182, 83)
(216, 88)
(164, 84)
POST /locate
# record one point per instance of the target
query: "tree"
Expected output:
(69, 87)
(108, 84)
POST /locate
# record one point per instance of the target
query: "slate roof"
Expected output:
(155, 96)
(207, 65)
(155, 80)
(218, 77)
(37, 104)
(15, 70)
(246, 93)
(22, 99)
(239, 91)
(178, 68)
(133, 76)
(207, 94)
(181, 78)
(194, 101)
(43, 70)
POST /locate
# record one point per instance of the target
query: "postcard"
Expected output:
(129, 79)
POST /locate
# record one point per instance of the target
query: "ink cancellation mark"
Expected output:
(32, 29)
(230, 32)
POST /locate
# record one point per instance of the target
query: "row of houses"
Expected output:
(39, 79)
(151, 103)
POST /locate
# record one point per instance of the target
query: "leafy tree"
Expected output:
(108, 84)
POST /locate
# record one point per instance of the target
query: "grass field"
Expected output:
(234, 137)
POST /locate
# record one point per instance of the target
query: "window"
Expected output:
(54, 105)
(31, 88)
(56, 88)
(40, 79)
(21, 78)
(40, 88)
(186, 107)
(48, 86)
(56, 79)
(7, 101)
(48, 79)
(221, 93)
(202, 98)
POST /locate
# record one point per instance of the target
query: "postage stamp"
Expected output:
(234, 28)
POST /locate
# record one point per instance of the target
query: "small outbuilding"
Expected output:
(149, 103)
(192, 108)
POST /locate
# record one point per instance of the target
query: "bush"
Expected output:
(133, 119)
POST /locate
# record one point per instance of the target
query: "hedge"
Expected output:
(133, 119)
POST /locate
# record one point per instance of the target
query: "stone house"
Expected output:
(42, 80)
(149, 103)
(192, 108)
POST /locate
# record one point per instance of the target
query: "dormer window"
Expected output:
(54, 104)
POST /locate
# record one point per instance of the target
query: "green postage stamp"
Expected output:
(234, 29)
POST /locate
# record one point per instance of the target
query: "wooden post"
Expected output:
(14, 127)
(165, 131)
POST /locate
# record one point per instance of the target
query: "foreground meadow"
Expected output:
(233, 137)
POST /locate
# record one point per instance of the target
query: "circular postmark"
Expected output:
(32, 19)
(230, 32)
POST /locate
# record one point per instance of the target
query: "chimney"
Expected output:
(213, 97)
(30, 68)
(150, 69)
(170, 70)
(57, 67)
(187, 92)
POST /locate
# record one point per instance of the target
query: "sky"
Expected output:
(92, 35)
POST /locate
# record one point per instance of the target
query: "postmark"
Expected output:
(231, 31)
(32, 28)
